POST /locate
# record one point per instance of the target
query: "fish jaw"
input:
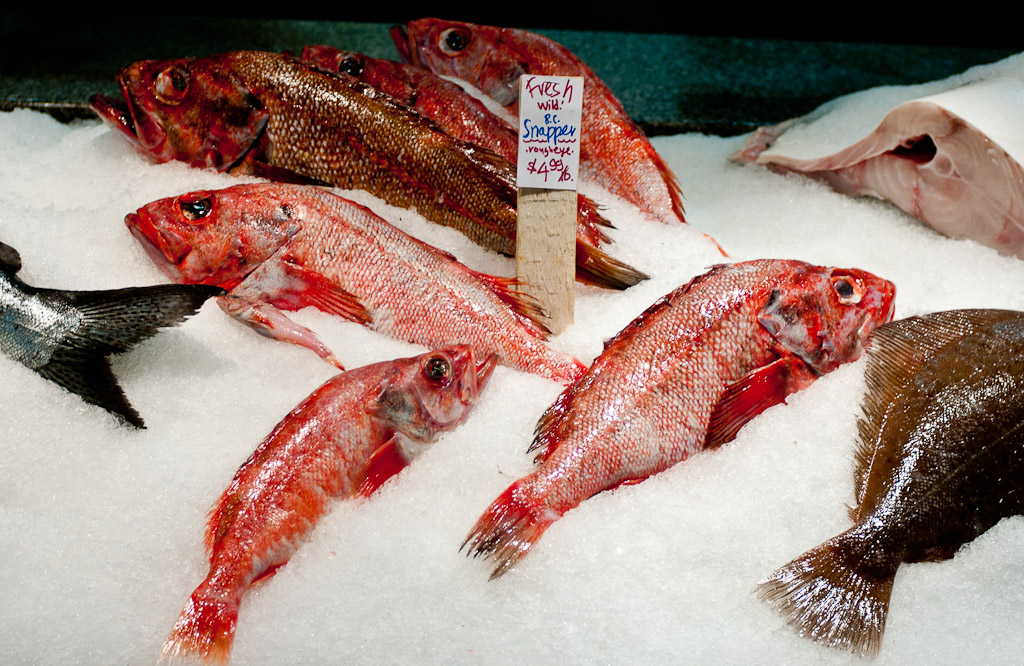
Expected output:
(193, 111)
(825, 316)
(435, 395)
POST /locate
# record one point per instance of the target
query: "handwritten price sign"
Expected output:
(550, 112)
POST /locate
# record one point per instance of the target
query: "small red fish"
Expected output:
(684, 376)
(272, 115)
(279, 247)
(347, 438)
(614, 152)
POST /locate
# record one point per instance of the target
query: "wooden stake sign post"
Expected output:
(550, 114)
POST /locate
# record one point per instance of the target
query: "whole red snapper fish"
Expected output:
(272, 115)
(614, 152)
(277, 246)
(345, 439)
(684, 376)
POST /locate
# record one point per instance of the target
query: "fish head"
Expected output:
(432, 393)
(215, 237)
(824, 315)
(194, 110)
(335, 60)
(489, 58)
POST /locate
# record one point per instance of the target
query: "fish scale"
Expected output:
(272, 115)
(684, 376)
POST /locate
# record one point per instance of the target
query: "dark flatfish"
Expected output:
(940, 460)
(67, 336)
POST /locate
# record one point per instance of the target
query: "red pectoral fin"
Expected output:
(385, 462)
(296, 287)
(757, 391)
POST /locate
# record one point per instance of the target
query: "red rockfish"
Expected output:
(614, 152)
(940, 460)
(682, 377)
(272, 115)
(345, 439)
(276, 247)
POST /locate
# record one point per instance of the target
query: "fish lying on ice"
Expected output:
(272, 115)
(940, 460)
(68, 336)
(682, 377)
(950, 158)
(346, 439)
(277, 246)
(614, 152)
(454, 110)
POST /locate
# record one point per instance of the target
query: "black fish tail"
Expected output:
(831, 595)
(594, 267)
(114, 321)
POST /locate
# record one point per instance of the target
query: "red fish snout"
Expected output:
(166, 248)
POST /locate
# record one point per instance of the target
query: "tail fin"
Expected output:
(594, 267)
(205, 630)
(509, 527)
(112, 322)
(589, 222)
(827, 599)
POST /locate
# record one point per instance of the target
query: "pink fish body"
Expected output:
(614, 152)
(348, 437)
(952, 159)
(284, 247)
(684, 376)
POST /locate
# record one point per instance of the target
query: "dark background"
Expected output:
(715, 68)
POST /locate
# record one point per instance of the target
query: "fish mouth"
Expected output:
(401, 39)
(167, 250)
(114, 113)
(484, 370)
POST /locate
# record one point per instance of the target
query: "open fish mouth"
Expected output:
(114, 113)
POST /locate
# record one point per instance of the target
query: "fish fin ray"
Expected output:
(205, 629)
(93, 381)
(508, 528)
(387, 461)
(596, 268)
(525, 307)
(829, 601)
(749, 396)
(896, 352)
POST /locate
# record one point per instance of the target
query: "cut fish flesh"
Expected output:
(949, 152)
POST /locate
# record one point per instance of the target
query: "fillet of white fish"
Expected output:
(950, 155)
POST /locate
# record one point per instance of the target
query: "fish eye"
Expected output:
(195, 208)
(438, 370)
(849, 292)
(454, 40)
(171, 84)
(351, 65)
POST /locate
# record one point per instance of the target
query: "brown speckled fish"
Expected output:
(614, 152)
(682, 377)
(275, 116)
(940, 460)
